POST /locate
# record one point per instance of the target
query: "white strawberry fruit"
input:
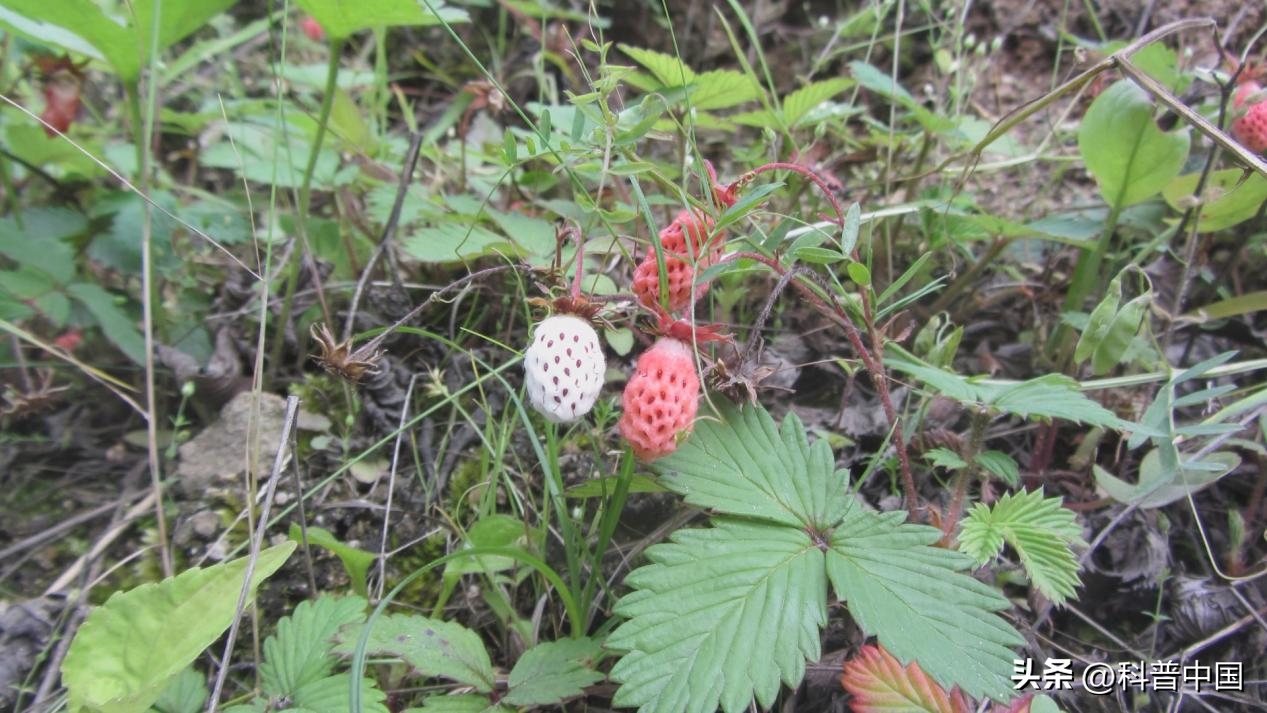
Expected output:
(564, 368)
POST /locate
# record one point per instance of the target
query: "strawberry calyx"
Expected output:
(687, 332)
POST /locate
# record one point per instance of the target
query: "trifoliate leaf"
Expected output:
(129, 649)
(301, 650)
(550, 672)
(879, 684)
(722, 614)
(432, 647)
(1040, 531)
(748, 466)
(909, 594)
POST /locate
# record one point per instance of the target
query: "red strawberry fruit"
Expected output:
(660, 399)
(1250, 128)
(313, 29)
(681, 260)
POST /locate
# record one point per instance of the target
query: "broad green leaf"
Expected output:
(1120, 333)
(1000, 464)
(668, 70)
(550, 672)
(300, 653)
(129, 649)
(1129, 156)
(1098, 325)
(1161, 483)
(496, 530)
(1040, 531)
(118, 327)
(909, 594)
(40, 242)
(748, 466)
(804, 100)
(121, 37)
(434, 648)
(356, 562)
(187, 693)
(1230, 197)
(880, 684)
(453, 242)
(722, 88)
(341, 18)
(721, 614)
(724, 613)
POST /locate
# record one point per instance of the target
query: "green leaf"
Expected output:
(496, 530)
(432, 647)
(1160, 480)
(300, 652)
(909, 594)
(118, 327)
(722, 614)
(40, 242)
(129, 649)
(1001, 465)
(461, 703)
(550, 672)
(187, 693)
(1041, 532)
(341, 18)
(453, 242)
(1098, 325)
(1129, 156)
(1120, 333)
(120, 36)
(804, 100)
(859, 273)
(944, 458)
(331, 694)
(668, 70)
(1230, 197)
(725, 613)
(722, 88)
(747, 466)
(356, 562)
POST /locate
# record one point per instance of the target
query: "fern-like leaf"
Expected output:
(723, 614)
(880, 684)
(1041, 532)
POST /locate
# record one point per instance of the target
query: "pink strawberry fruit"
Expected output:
(1250, 128)
(564, 368)
(660, 399)
(313, 29)
(680, 261)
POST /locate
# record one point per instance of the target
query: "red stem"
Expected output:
(873, 361)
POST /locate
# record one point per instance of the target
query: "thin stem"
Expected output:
(965, 476)
(305, 195)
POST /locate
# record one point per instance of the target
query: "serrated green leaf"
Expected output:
(944, 458)
(129, 649)
(804, 100)
(721, 615)
(668, 70)
(118, 327)
(41, 241)
(187, 693)
(432, 647)
(1041, 532)
(300, 652)
(1001, 465)
(550, 672)
(911, 596)
(745, 465)
(722, 88)
(341, 18)
(1129, 156)
(331, 694)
